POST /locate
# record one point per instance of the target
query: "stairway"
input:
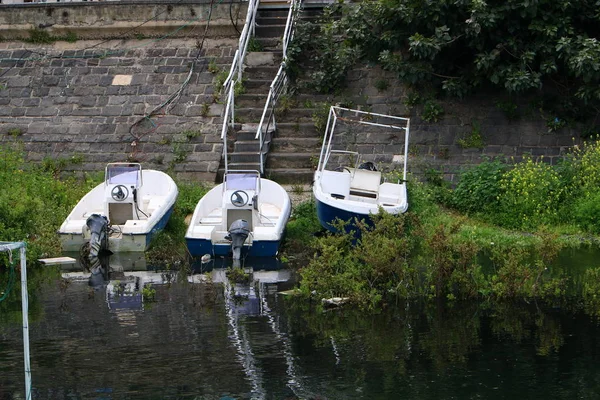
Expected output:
(290, 151)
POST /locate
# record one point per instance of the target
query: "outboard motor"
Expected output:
(98, 271)
(368, 165)
(238, 233)
(98, 226)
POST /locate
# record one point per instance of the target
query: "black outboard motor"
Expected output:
(368, 165)
(98, 226)
(99, 271)
(238, 233)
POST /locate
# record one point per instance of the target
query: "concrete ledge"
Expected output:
(105, 20)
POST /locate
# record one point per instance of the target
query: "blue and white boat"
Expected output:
(244, 216)
(347, 185)
(122, 214)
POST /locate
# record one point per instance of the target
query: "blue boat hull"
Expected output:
(328, 214)
(160, 225)
(263, 248)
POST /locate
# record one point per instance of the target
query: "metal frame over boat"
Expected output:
(262, 204)
(131, 205)
(347, 184)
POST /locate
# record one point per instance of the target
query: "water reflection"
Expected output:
(206, 336)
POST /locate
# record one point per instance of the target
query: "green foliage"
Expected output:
(70, 37)
(213, 68)
(57, 165)
(531, 193)
(555, 124)
(189, 195)
(318, 53)
(220, 80)
(473, 140)
(239, 88)
(189, 135)
(303, 224)
(478, 188)
(254, 45)
(34, 203)
(205, 110)
(438, 186)
(15, 132)
(40, 36)
(523, 272)
(148, 293)
(320, 116)
(169, 247)
(382, 85)
(586, 212)
(461, 47)
(509, 109)
(412, 99)
(454, 271)
(432, 111)
(368, 272)
(237, 275)
(284, 104)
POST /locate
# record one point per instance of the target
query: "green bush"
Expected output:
(34, 203)
(586, 212)
(531, 194)
(478, 188)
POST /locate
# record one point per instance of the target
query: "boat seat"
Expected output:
(391, 193)
(365, 183)
(202, 231)
(215, 217)
(336, 183)
(154, 203)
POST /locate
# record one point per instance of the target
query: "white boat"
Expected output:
(347, 185)
(245, 215)
(123, 213)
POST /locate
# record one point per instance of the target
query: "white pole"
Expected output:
(25, 306)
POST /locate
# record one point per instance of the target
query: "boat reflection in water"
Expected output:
(247, 292)
(259, 338)
(123, 275)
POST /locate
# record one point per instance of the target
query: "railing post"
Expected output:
(25, 311)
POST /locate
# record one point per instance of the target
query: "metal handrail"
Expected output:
(235, 72)
(279, 82)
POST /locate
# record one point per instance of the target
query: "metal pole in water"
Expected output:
(25, 311)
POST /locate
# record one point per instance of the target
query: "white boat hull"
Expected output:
(134, 224)
(214, 213)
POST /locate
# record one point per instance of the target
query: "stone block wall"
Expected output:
(96, 102)
(446, 145)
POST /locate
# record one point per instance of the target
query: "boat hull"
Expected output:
(133, 242)
(263, 248)
(328, 214)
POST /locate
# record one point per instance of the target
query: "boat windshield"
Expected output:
(241, 181)
(123, 174)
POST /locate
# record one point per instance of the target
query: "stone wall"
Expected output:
(91, 102)
(446, 145)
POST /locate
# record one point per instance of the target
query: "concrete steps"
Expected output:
(292, 151)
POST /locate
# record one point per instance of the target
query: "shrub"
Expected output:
(531, 193)
(478, 188)
(586, 212)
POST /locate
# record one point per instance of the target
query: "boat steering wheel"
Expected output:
(119, 192)
(239, 198)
